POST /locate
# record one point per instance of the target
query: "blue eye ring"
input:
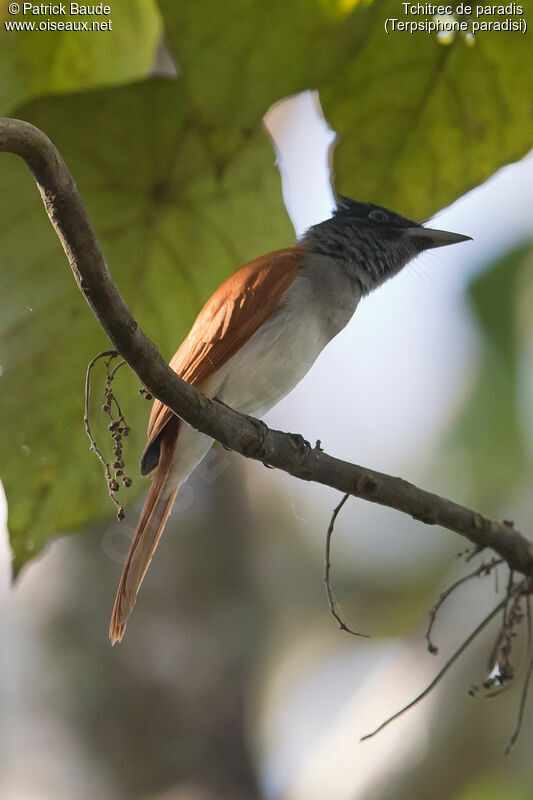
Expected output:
(378, 215)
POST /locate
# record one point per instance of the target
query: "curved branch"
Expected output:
(284, 451)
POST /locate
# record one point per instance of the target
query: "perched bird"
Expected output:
(255, 339)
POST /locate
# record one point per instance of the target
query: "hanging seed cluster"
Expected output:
(119, 430)
(114, 472)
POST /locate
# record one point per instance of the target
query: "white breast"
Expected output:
(313, 310)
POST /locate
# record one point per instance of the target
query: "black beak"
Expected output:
(433, 238)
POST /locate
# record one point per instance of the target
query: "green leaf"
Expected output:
(172, 228)
(33, 63)
(419, 122)
(488, 443)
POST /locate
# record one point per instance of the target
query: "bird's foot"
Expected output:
(300, 444)
(253, 449)
(257, 450)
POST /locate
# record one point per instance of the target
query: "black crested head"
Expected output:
(370, 242)
(369, 213)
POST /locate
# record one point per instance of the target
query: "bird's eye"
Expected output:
(378, 215)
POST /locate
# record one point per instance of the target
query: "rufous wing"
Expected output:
(229, 318)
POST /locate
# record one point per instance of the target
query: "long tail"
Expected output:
(147, 534)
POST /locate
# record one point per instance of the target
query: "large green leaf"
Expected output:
(419, 122)
(33, 63)
(172, 228)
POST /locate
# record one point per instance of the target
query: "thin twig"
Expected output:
(482, 569)
(529, 653)
(327, 569)
(116, 369)
(520, 716)
(94, 446)
(502, 640)
(468, 641)
(472, 552)
(112, 397)
(529, 630)
(529, 671)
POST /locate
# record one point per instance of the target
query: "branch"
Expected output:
(284, 451)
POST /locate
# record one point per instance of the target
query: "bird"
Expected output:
(255, 339)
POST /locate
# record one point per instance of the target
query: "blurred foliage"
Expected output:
(178, 177)
(173, 694)
(489, 439)
(492, 787)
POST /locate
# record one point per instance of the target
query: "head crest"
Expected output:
(345, 206)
